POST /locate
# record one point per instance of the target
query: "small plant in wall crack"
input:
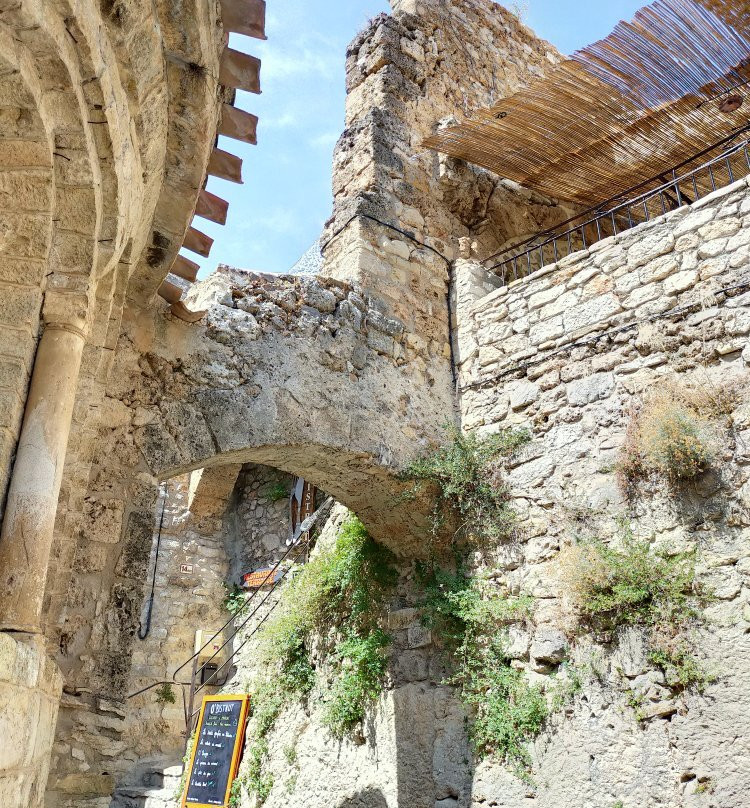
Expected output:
(470, 617)
(676, 433)
(466, 475)
(234, 598)
(277, 491)
(633, 584)
(165, 694)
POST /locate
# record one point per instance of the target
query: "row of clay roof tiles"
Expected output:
(238, 71)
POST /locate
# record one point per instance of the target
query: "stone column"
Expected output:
(26, 536)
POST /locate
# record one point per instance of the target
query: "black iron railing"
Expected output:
(682, 187)
(208, 674)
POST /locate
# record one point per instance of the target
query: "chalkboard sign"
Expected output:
(216, 752)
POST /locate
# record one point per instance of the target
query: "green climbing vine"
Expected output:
(338, 598)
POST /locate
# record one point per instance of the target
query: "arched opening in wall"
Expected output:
(224, 540)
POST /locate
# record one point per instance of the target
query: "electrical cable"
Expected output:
(149, 609)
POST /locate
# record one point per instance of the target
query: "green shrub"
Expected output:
(165, 694)
(630, 586)
(277, 491)
(672, 435)
(266, 705)
(361, 664)
(339, 597)
(506, 711)
(682, 670)
(234, 598)
(465, 473)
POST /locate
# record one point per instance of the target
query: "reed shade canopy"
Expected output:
(622, 110)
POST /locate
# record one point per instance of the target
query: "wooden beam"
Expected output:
(198, 242)
(246, 17)
(238, 124)
(169, 292)
(179, 309)
(239, 70)
(212, 207)
(226, 166)
(185, 268)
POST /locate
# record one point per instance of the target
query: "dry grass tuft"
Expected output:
(676, 432)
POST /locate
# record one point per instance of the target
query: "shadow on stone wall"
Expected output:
(369, 798)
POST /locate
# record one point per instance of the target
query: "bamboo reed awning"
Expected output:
(654, 92)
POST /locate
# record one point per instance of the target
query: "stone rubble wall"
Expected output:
(679, 260)
(399, 209)
(300, 374)
(568, 353)
(643, 309)
(221, 523)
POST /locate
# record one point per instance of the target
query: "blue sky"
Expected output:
(286, 197)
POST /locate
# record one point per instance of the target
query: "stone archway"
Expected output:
(306, 375)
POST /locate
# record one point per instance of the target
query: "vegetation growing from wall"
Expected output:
(165, 694)
(234, 598)
(469, 616)
(630, 585)
(465, 474)
(635, 585)
(338, 598)
(277, 491)
(674, 434)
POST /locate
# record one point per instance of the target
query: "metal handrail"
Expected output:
(625, 213)
(297, 544)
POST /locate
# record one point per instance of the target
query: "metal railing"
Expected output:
(614, 216)
(295, 549)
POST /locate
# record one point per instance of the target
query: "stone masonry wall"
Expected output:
(30, 686)
(218, 523)
(399, 209)
(666, 302)
(569, 353)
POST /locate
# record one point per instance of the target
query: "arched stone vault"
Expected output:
(319, 384)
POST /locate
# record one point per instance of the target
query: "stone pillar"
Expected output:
(26, 537)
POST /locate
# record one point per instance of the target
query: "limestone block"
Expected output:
(590, 389)
(659, 269)
(694, 220)
(517, 643)
(320, 298)
(591, 312)
(549, 645)
(642, 294)
(710, 249)
(658, 241)
(680, 282)
(522, 394)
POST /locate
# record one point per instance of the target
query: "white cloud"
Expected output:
(281, 221)
(326, 140)
(308, 56)
(284, 120)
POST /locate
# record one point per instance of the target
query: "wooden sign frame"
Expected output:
(239, 742)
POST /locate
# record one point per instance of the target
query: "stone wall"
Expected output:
(666, 302)
(569, 353)
(217, 523)
(400, 209)
(30, 686)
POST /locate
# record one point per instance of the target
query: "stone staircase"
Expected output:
(157, 788)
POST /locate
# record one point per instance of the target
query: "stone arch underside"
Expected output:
(329, 393)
